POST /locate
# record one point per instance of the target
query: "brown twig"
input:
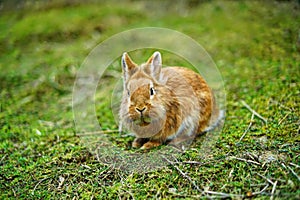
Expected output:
(254, 112)
(249, 126)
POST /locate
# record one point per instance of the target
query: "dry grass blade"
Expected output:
(223, 195)
(254, 112)
(293, 172)
(297, 166)
(38, 185)
(3, 157)
(264, 189)
(273, 190)
(271, 182)
(184, 175)
(248, 161)
(283, 118)
(97, 132)
(249, 126)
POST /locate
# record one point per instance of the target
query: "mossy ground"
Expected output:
(256, 46)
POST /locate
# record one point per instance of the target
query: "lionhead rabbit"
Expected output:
(171, 104)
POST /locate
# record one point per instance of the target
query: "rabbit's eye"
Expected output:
(128, 93)
(152, 91)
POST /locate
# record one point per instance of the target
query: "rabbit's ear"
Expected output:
(128, 66)
(155, 64)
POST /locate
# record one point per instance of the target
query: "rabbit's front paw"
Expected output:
(138, 142)
(151, 144)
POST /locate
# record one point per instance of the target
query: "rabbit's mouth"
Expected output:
(142, 121)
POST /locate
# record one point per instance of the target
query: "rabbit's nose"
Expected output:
(140, 109)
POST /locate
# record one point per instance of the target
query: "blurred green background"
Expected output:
(255, 44)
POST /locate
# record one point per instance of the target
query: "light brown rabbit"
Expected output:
(160, 105)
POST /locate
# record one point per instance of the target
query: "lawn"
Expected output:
(254, 44)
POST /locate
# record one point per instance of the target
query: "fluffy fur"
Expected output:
(164, 104)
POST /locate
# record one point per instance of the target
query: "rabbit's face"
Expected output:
(140, 105)
(143, 110)
(141, 101)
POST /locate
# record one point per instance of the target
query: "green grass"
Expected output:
(256, 46)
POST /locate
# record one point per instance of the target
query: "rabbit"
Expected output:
(164, 105)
